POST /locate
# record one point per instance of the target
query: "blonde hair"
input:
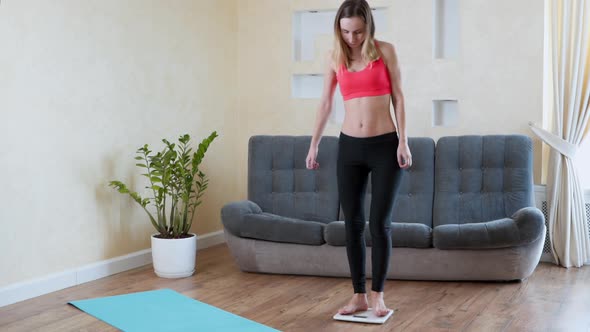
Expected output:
(341, 53)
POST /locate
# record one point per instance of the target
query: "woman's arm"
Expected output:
(322, 114)
(397, 97)
(325, 107)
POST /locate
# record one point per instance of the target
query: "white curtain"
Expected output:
(569, 50)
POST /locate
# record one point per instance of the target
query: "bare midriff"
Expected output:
(367, 116)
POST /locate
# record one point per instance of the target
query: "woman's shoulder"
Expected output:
(329, 60)
(385, 47)
(387, 50)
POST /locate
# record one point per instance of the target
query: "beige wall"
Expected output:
(497, 78)
(82, 85)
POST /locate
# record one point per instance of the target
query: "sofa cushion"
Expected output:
(279, 182)
(482, 178)
(525, 226)
(411, 235)
(499, 233)
(270, 227)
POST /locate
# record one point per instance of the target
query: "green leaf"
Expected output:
(175, 179)
(136, 197)
(115, 183)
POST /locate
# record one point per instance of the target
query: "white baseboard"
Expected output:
(210, 239)
(32, 288)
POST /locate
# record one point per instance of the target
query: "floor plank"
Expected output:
(552, 299)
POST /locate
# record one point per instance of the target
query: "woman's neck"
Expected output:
(355, 54)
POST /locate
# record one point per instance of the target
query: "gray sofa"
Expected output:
(464, 211)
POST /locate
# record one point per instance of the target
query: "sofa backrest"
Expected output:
(482, 178)
(413, 201)
(279, 182)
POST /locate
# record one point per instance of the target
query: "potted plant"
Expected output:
(177, 186)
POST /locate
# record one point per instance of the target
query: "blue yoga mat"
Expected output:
(164, 310)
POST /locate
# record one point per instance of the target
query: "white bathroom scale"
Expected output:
(364, 317)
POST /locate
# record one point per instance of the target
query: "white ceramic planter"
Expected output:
(174, 258)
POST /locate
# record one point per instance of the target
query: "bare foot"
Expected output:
(357, 303)
(378, 305)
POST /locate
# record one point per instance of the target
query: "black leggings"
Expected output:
(357, 156)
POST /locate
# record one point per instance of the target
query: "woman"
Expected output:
(368, 74)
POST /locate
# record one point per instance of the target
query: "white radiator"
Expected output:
(541, 202)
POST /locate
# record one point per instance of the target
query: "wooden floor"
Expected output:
(552, 299)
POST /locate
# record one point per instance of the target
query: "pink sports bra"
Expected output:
(373, 80)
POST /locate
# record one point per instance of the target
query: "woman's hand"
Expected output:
(404, 157)
(310, 161)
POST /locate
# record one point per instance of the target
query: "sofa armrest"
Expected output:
(531, 223)
(525, 226)
(232, 214)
